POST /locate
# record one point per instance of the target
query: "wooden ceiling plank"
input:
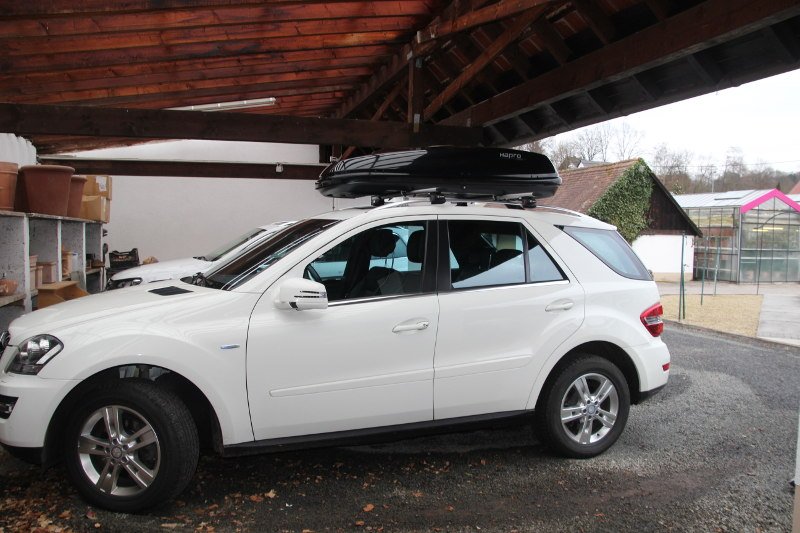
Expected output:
(194, 86)
(660, 8)
(499, 11)
(689, 31)
(110, 58)
(218, 94)
(378, 114)
(511, 34)
(190, 69)
(73, 44)
(42, 24)
(31, 8)
(160, 124)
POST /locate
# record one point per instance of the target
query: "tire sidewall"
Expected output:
(137, 395)
(556, 434)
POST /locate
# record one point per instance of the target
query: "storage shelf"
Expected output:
(93, 270)
(11, 299)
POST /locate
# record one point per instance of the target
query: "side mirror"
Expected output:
(301, 294)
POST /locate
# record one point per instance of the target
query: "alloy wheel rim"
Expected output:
(589, 408)
(119, 451)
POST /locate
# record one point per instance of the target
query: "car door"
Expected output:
(505, 305)
(366, 360)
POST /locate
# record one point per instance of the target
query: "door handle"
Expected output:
(415, 326)
(560, 305)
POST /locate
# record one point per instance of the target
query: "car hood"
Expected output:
(173, 269)
(166, 296)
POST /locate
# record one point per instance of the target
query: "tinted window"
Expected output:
(257, 259)
(611, 249)
(382, 261)
(540, 266)
(486, 253)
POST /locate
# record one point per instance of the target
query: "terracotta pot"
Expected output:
(8, 185)
(7, 286)
(47, 188)
(75, 196)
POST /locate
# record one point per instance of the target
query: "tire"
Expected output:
(594, 395)
(149, 460)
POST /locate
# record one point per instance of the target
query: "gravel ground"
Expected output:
(714, 451)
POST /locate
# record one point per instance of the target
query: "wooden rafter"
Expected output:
(501, 10)
(387, 102)
(511, 34)
(689, 31)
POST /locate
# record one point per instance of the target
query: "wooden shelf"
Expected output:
(96, 270)
(11, 299)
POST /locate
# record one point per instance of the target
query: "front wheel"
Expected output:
(130, 446)
(584, 409)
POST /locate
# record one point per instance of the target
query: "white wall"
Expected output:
(661, 254)
(169, 217)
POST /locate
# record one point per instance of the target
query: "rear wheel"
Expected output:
(130, 446)
(584, 409)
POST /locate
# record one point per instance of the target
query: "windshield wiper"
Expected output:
(200, 280)
(200, 257)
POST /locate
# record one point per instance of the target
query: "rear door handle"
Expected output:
(560, 305)
(414, 326)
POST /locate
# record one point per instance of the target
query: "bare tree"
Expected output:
(672, 167)
(592, 143)
(627, 141)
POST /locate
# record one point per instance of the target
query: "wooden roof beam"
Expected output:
(188, 169)
(511, 34)
(686, 32)
(552, 41)
(160, 124)
(501, 10)
(597, 20)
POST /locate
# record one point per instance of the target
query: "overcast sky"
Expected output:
(762, 118)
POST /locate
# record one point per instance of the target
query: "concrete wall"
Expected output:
(169, 217)
(661, 254)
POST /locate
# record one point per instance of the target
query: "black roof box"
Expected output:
(458, 172)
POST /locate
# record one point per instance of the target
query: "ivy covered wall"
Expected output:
(625, 204)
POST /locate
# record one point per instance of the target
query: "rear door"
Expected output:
(505, 305)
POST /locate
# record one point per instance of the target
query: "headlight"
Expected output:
(34, 353)
(121, 283)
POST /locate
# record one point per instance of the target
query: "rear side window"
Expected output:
(610, 248)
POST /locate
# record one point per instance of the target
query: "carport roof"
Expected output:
(81, 74)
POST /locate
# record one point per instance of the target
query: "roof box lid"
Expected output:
(458, 172)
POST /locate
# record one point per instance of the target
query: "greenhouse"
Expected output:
(748, 236)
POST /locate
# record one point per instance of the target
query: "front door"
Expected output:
(367, 360)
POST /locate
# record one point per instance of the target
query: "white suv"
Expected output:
(363, 323)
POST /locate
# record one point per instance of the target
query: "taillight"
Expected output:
(651, 318)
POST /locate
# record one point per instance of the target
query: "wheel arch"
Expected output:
(605, 349)
(203, 413)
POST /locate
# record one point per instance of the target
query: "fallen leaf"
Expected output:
(66, 515)
(256, 498)
(359, 523)
(450, 508)
(171, 525)
(368, 508)
(271, 494)
(417, 494)
(91, 515)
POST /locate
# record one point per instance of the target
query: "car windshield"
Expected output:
(218, 252)
(261, 256)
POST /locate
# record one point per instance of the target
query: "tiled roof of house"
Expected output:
(795, 189)
(582, 187)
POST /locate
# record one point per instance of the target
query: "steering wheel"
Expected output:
(312, 274)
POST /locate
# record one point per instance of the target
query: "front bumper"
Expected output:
(36, 401)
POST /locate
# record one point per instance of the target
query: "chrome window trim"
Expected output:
(508, 286)
(378, 298)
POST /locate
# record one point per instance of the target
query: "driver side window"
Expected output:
(382, 261)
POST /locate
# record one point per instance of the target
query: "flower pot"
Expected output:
(8, 185)
(47, 188)
(75, 196)
(7, 286)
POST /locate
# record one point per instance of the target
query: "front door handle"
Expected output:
(414, 326)
(560, 305)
